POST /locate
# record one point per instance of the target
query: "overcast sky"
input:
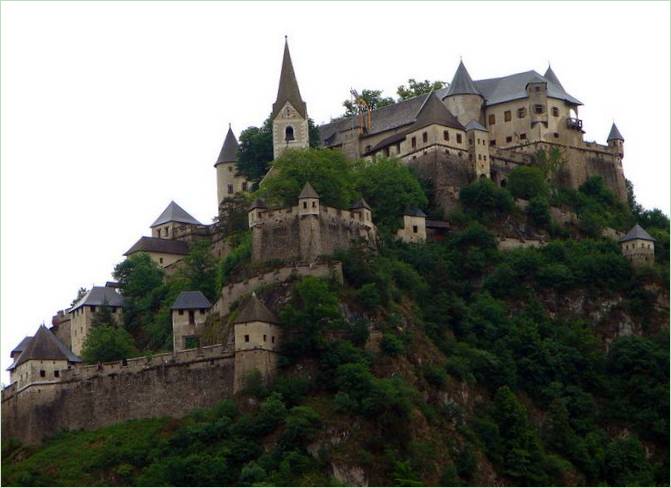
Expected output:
(111, 110)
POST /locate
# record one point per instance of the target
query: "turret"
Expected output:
(254, 212)
(463, 99)
(478, 148)
(173, 222)
(363, 211)
(638, 246)
(228, 180)
(537, 89)
(616, 141)
(189, 314)
(290, 115)
(308, 201)
(414, 226)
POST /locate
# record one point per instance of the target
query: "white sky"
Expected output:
(111, 109)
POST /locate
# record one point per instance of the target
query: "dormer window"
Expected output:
(289, 133)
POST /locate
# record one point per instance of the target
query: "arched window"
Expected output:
(289, 133)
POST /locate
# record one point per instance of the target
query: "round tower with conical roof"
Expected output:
(616, 142)
(229, 182)
(463, 98)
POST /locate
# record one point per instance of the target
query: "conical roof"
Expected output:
(255, 311)
(462, 83)
(308, 192)
(552, 77)
(258, 203)
(614, 134)
(433, 111)
(637, 232)
(288, 90)
(360, 203)
(174, 213)
(45, 346)
(229, 151)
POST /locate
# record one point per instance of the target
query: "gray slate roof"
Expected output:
(614, 134)
(475, 125)
(513, 87)
(45, 346)
(100, 295)
(414, 212)
(258, 203)
(255, 311)
(156, 244)
(433, 111)
(175, 213)
(22, 345)
(360, 203)
(637, 232)
(552, 77)
(190, 300)
(462, 83)
(288, 90)
(308, 191)
(229, 151)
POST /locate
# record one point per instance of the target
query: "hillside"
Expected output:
(445, 363)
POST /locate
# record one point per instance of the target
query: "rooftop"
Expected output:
(190, 300)
(174, 213)
(637, 232)
(45, 346)
(255, 311)
(156, 244)
(100, 295)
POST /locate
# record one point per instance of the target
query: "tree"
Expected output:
(233, 214)
(389, 187)
(527, 182)
(484, 199)
(373, 98)
(103, 316)
(550, 163)
(198, 268)
(80, 294)
(416, 88)
(108, 343)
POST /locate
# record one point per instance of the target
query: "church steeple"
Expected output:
(290, 114)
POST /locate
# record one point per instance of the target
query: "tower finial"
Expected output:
(229, 125)
(286, 38)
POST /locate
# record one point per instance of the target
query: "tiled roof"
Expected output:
(414, 212)
(255, 311)
(433, 111)
(513, 87)
(22, 345)
(45, 346)
(360, 203)
(552, 77)
(229, 151)
(258, 203)
(637, 232)
(174, 213)
(614, 134)
(156, 244)
(308, 191)
(100, 295)
(288, 90)
(191, 300)
(462, 83)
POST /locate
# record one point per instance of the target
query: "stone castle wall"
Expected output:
(90, 398)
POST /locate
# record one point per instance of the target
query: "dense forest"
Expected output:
(444, 363)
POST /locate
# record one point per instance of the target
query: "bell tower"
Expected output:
(290, 115)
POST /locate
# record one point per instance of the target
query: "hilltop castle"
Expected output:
(468, 130)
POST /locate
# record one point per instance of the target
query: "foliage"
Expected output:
(372, 98)
(239, 257)
(108, 343)
(416, 88)
(80, 294)
(484, 200)
(199, 269)
(538, 211)
(527, 182)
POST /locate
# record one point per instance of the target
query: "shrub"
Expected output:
(527, 182)
(538, 211)
(106, 343)
(392, 345)
(484, 199)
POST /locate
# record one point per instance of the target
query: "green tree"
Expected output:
(527, 182)
(483, 199)
(103, 316)
(80, 294)
(373, 98)
(198, 268)
(108, 343)
(416, 88)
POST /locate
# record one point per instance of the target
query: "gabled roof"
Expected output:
(229, 151)
(258, 203)
(414, 212)
(156, 244)
(22, 345)
(475, 125)
(288, 90)
(614, 134)
(433, 111)
(513, 87)
(255, 311)
(45, 346)
(308, 192)
(100, 295)
(552, 77)
(174, 213)
(637, 232)
(190, 300)
(360, 203)
(462, 83)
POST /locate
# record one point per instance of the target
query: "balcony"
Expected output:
(575, 124)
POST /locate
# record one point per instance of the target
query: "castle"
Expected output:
(468, 130)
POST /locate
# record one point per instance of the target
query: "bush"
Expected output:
(392, 345)
(107, 343)
(527, 182)
(538, 211)
(484, 199)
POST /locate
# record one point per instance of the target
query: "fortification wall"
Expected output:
(234, 291)
(90, 398)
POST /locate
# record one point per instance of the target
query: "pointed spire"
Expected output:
(552, 77)
(308, 192)
(254, 310)
(462, 83)
(360, 203)
(614, 134)
(229, 151)
(288, 90)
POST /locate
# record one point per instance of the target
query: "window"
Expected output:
(160, 260)
(446, 135)
(484, 157)
(556, 134)
(180, 311)
(289, 133)
(192, 317)
(414, 229)
(230, 189)
(492, 119)
(555, 112)
(507, 116)
(413, 142)
(93, 309)
(398, 148)
(503, 183)
(509, 139)
(539, 109)
(523, 136)
(246, 337)
(537, 88)
(43, 373)
(264, 338)
(470, 142)
(386, 151)
(480, 156)
(521, 113)
(165, 231)
(230, 169)
(202, 312)
(244, 186)
(273, 339)
(492, 142)
(458, 138)
(314, 204)
(57, 374)
(305, 204)
(425, 137)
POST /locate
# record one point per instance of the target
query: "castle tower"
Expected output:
(478, 148)
(173, 222)
(257, 339)
(255, 215)
(362, 208)
(290, 114)
(537, 89)
(228, 181)
(414, 226)
(616, 141)
(309, 224)
(463, 98)
(189, 314)
(83, 311)
(638, 246)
